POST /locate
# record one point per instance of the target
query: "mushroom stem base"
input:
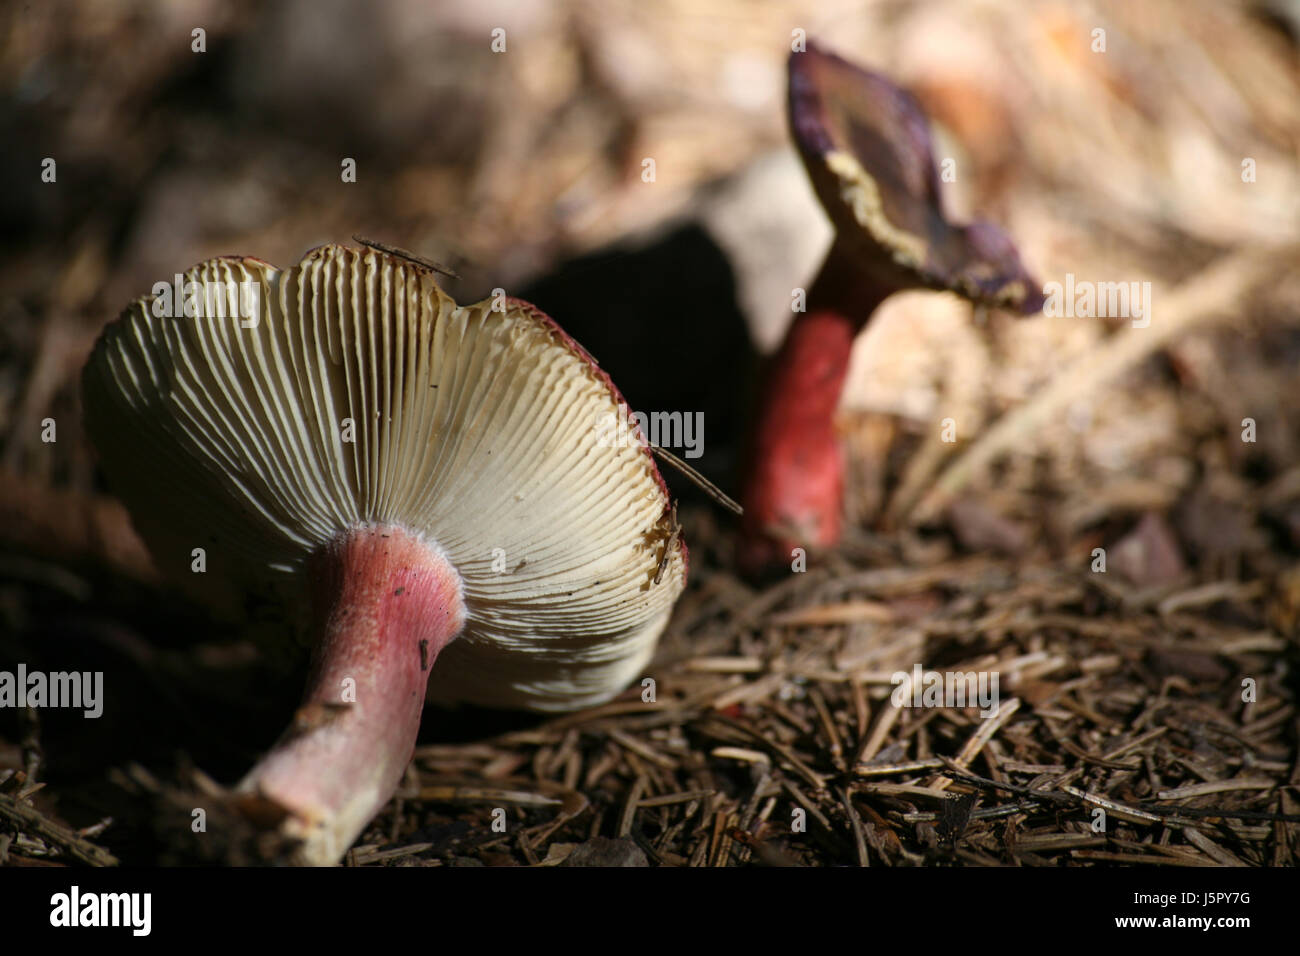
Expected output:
(794, 486)
(384, 603)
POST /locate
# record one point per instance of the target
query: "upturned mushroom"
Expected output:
(412, 479)
(866, 147)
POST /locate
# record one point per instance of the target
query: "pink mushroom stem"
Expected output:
(794, 485)
(866, 146)
(385, 602)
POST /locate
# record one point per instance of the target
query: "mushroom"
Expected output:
(866, 146)
(412, 479)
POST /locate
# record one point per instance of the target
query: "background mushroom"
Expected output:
(412, 479)
(866, 146)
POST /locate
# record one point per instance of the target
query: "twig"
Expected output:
(27, 817)
(982, 736)
(1216, 786)
(1068, 795)
(630, 805)
(708, 487)
(855, 821)
(1210, 295)
(404, 254)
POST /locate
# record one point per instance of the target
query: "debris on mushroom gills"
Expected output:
(473, 541)
(865, 144)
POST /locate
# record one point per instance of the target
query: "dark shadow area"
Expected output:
(661, 318)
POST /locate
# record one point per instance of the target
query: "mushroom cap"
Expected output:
(866, 146)
(486, 432)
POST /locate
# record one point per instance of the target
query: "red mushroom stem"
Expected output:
(794, 485)
(385, 602)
